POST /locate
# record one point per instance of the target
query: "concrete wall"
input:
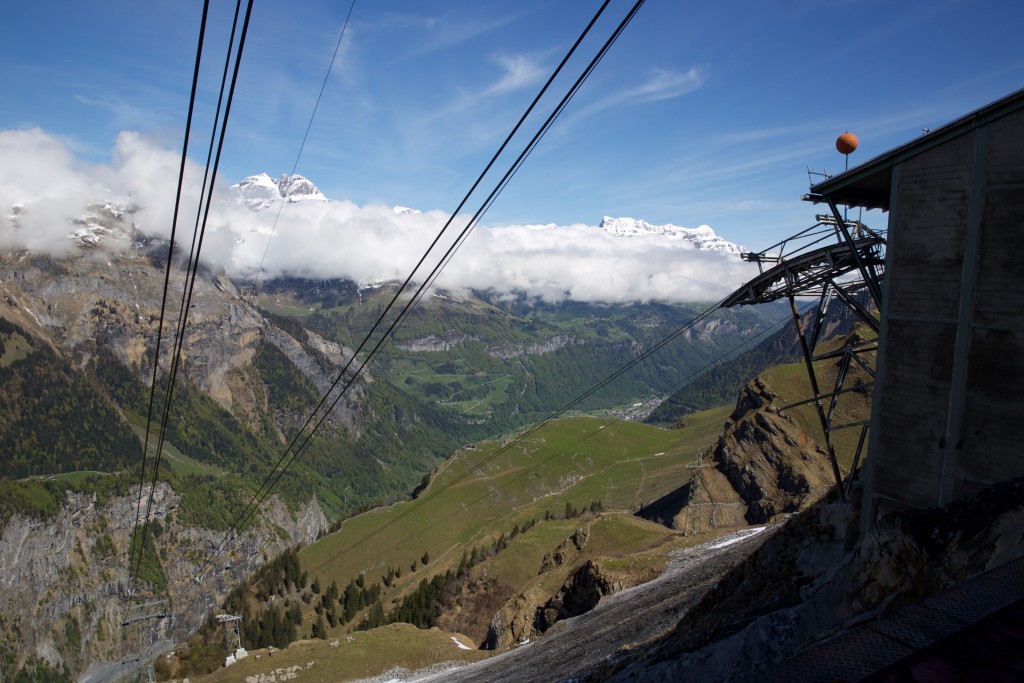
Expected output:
(950, 413)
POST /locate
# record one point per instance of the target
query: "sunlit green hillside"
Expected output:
(490, 488)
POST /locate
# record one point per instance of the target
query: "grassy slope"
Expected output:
(358, 655)
(16, 347)
(575, 461)
(179, 462)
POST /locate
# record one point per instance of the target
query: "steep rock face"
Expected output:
(812, 580)
(307, 365)
(708, 329)
(82, 298)
(708, 501)
(513, 623)
(579, 594)
(557, 342)
(516, 620)
(64, 577)
(763, 465)
(435, 343)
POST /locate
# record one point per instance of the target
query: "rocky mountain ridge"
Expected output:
(78, 300)
(65, 577)
(762, 466)
(702, 237)
(262, 192)
(96, 316)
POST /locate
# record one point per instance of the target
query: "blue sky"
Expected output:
(702, 113)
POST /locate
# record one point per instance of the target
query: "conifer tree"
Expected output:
(295, 614)
(351, 600)
(319, 628)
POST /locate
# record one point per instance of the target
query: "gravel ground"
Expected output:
(633, 616)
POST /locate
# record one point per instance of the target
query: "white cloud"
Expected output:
(589, 264)
(41, 186)
(147, 176)
(663, 84)
(445, 31)
(339, 238)
(521, 71)
(122, 112)
(517, 72)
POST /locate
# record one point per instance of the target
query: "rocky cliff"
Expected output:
(65, 577)
(517, 619)
(816, 579)
(762, 465)
(91, 297)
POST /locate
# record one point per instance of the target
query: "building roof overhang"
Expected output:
(868, 185)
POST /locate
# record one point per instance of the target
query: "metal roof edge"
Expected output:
(980, 117)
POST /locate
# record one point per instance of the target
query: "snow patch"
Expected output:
(737, 537)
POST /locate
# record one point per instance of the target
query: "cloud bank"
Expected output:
(44, 189)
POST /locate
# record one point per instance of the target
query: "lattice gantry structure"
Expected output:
(231, 622)
(838, 262)
(145, 617)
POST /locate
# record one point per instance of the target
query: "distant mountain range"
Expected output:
(703, 237)
(260, 192)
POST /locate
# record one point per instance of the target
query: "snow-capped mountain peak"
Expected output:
(261, 191)
(102, 222)
(702, 237)
(296, 188)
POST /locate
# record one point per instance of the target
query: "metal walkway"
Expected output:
(940, 638)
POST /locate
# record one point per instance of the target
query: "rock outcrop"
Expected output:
(65, 577)
(815, 578)
(79, 300)
(510, 351)
(762, 465)
(567, 551)
(516, 621)
(579, 594)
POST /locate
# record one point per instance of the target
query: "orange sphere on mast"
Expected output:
(846, 143)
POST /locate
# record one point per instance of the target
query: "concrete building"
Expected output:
(948, 413)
